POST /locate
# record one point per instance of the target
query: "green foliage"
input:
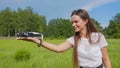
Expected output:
(113, 29)
(59, 28)
(22, 55)
(12, 22)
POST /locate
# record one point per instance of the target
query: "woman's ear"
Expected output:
(86, 21)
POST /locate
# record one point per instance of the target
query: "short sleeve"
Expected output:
(71, 40)
(102, 42)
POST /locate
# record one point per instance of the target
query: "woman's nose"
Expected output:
(73, 24)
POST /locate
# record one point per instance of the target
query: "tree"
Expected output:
(113, 29)
(59, 28)
(6, 22)
(12, 22)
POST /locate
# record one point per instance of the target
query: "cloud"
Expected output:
(96, 3)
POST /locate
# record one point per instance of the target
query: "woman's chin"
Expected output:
(76, 30)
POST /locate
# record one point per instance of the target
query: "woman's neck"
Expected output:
(83, 33)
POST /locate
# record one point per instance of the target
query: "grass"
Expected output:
(113, 50)
(40, 57)
(43, 58)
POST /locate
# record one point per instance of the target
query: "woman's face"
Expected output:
(78, 23)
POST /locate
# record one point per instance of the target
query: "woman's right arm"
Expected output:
(56, 48)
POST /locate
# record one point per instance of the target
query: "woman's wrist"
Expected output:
(40, 42)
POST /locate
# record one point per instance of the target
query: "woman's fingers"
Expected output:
(31, 39)
(21, 38)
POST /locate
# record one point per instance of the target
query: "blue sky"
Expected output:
(100, 10)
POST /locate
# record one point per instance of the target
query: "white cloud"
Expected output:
(96, 3)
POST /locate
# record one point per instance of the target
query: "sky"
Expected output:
(101, 10)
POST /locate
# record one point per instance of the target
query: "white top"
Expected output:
(90, 55)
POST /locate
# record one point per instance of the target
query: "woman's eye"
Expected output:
(75, 21)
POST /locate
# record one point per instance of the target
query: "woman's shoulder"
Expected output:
(71, 40)
(96, 34)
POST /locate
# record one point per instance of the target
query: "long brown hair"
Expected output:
(90, 28)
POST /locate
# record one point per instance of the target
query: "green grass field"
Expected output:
(43, 58)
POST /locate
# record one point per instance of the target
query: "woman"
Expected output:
(90, 46)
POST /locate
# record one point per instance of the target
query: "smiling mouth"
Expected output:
(75, 28)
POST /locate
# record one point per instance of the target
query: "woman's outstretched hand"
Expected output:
(30, 39)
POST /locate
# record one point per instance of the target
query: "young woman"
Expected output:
(90, 46)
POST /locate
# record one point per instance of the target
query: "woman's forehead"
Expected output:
(75, 17)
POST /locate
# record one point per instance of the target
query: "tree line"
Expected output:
(12, 21)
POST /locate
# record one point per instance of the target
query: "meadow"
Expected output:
(43, 58)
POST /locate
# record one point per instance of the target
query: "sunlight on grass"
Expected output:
(43, 58)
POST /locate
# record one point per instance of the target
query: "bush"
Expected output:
(22, 55)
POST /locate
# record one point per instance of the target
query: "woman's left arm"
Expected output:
(106, 60)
